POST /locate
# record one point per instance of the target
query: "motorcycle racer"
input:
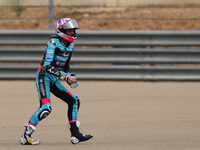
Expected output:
(55, 66)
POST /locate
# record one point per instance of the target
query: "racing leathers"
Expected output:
(54, 63)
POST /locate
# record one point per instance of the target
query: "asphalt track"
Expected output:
(120, 115)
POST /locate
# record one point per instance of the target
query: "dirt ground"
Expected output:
(102, 18)
(120, 115)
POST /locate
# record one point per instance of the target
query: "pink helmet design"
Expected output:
(64, 24)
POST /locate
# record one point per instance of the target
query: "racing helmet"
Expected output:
(64, 24)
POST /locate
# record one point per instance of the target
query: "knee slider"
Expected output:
(46, 110)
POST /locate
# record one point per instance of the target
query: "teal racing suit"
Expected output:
(55, 61)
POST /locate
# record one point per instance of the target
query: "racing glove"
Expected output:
(70, 79)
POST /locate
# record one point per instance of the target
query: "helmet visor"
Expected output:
(72, 24)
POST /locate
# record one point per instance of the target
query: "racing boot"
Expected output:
(26, 138)
(76, 136)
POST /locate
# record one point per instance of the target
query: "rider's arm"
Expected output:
(49, 56)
